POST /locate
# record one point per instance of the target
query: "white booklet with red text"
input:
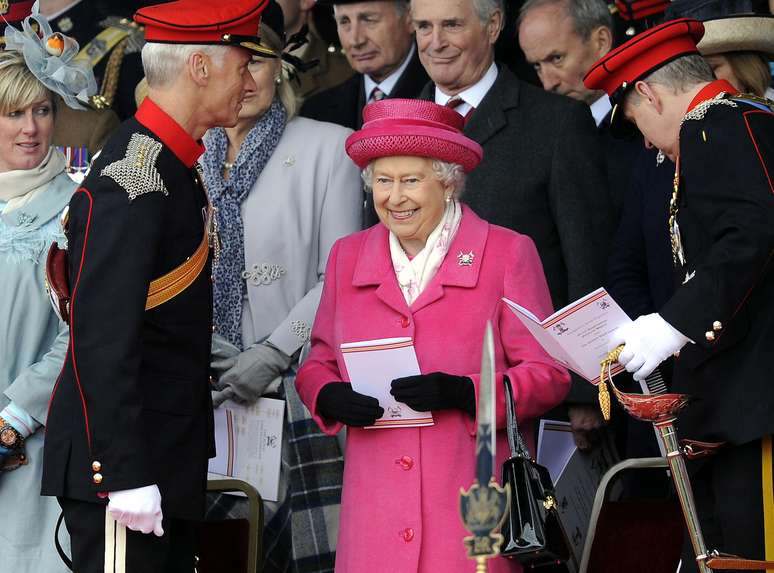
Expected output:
(372, 365)
(577, 335)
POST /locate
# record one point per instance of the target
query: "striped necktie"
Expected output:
(377, 95)
(457, 101)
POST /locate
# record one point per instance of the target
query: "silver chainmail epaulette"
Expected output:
(137, 172)
(701, 110)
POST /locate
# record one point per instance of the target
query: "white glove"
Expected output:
(648, 341)
(138, 509)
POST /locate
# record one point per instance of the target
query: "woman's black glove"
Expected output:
(436, 391)
(338, 401)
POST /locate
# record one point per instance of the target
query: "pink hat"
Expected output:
(412, 127)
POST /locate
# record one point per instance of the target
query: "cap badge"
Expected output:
(3, 6)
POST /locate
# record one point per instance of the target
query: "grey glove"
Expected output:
(223, 357)
(250, 372)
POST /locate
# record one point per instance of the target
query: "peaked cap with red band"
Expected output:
(232, 23)
(617, 71)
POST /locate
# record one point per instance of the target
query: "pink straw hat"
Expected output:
(418, 128)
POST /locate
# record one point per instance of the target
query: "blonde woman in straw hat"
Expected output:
(739, 49)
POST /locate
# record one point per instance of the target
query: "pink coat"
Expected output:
(400, 502)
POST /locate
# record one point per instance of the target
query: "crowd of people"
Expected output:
(235, 190)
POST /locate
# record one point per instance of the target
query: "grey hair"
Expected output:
(586, 15)
(485, 8)
(682, 73)
(449, 174)
(401, 7)
(164, 62)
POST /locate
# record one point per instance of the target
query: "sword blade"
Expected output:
(485, 434)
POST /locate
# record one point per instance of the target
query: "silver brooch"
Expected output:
(263, 274)
(290, 160)
(465, 259)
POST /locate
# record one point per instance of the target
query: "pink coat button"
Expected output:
(405, 322)
(407, 534)
(405, 462)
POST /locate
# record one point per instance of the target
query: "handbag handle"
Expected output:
(515, 440)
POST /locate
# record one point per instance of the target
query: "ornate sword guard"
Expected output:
(483, 510)
(661, 410)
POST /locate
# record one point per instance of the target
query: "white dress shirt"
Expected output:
(473, 95)
(600, 108)
(388, 83)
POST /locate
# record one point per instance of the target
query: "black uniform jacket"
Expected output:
(725, 303)
(343, 104)
(132, 405)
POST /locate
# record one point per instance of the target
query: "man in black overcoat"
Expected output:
(378, 40)
(130, 423)
(720, 318)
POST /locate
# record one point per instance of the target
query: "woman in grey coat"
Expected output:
(34, 190)
(284, 193)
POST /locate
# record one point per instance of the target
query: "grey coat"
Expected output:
(33, 343)
(308, 195)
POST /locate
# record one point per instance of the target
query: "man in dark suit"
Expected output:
(562, 39)
(129, 428)
(542, 172)
(721, 316)
(378, 40)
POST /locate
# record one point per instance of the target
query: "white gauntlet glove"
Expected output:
(138, 509)
(648, 341)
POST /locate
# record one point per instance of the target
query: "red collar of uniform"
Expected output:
(710, 91)
(169, 132)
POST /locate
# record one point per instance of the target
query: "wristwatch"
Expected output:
(9, 437)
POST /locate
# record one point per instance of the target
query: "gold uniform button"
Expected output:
(97, 478)
(710, 336)
(96, 466)
(717, 326)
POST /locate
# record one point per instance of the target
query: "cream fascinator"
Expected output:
(49, 56)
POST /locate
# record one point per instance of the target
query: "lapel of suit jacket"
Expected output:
(374, 268)
(462, 264)
(490, 116)
(361, 101)
(412, 80)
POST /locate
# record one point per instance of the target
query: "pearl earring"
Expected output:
(448, 198)
(278, 80)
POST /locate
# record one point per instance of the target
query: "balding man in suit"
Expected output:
(378, 40)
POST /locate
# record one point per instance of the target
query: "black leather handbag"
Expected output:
(533, 531)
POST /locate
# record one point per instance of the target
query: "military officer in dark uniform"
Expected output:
(721, 317)
(130, 423)
(110, 45)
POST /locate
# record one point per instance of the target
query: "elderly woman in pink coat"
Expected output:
(434, 271)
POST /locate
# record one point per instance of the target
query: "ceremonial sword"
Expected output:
(484, 505)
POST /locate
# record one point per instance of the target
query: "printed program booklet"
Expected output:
(372, 365)
(577, 335)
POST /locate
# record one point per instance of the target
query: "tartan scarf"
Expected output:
(229, 286)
